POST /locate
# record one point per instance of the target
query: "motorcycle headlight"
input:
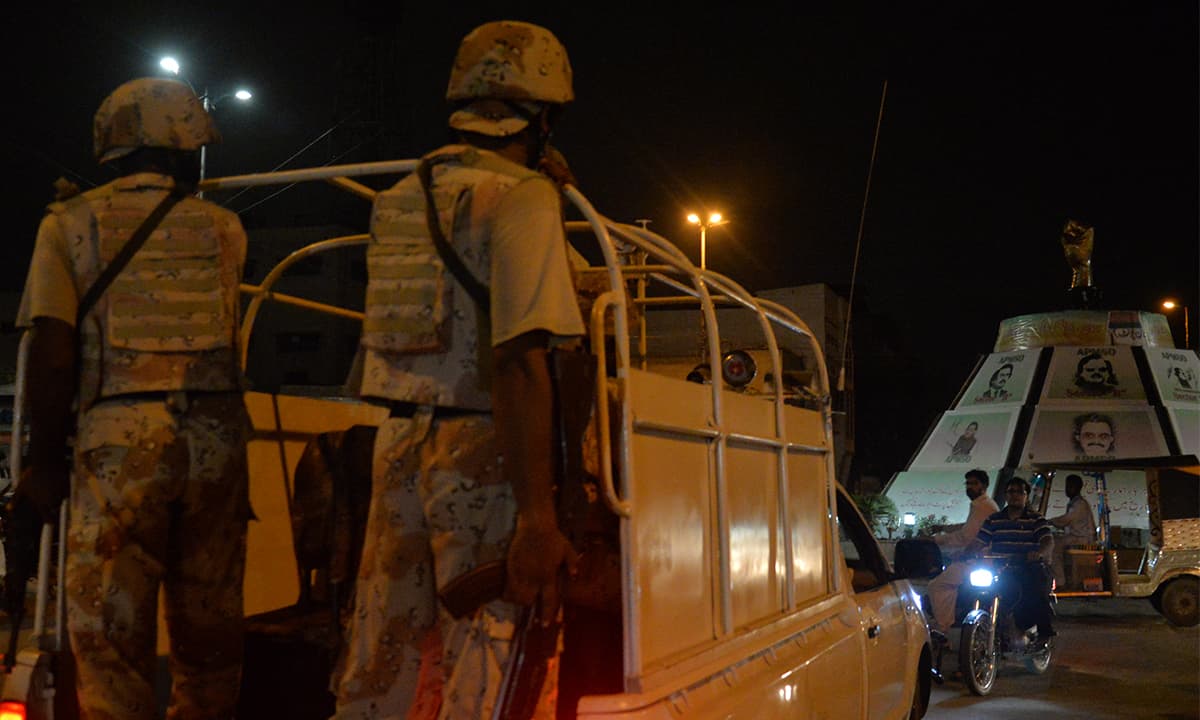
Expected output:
(982, 578)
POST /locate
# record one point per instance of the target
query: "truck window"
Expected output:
(859, 547)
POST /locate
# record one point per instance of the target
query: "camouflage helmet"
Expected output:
(151, 112)
(511, 61)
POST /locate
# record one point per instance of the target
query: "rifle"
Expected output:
(22, 531)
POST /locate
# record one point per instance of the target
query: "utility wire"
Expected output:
(289, 186)
(862, 219)
(292, 157)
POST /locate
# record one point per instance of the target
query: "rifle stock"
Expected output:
(475, 588)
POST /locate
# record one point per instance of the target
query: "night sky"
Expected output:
(999, 124)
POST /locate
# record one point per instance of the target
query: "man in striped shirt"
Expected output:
(1025, 536)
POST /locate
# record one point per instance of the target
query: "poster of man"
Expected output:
(1001, 378)
(973, 438)
(1093, 373)
(1177, 375)
(1094, 435)
(1086, 433)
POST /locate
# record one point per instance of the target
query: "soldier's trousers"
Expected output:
(160, 498)
(438, 509)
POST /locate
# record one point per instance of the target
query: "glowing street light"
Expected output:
(714, 219)
(169, 64)
(1169, 304)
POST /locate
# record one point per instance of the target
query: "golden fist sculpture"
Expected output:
(1077, 240)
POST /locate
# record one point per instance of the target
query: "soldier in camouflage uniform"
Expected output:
(160, 491)
(462, 469)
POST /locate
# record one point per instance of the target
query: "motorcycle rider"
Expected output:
(1026, 538)
(943, 589)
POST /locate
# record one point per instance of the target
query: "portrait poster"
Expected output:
(1106, 373)
(1084, 433)
(967, 439)
(1126, 491)
(934, 492)
(1177, 375)
(1187, 428)
(1003, 379)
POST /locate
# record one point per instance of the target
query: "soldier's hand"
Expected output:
(45, 485)
(554, 166)
(535, 558)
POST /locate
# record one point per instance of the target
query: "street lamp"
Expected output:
(1171, 305)
(172, 66)
(714, 219)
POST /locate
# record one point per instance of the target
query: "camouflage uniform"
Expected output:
(160, 498)
(439, 505)
(160, 484)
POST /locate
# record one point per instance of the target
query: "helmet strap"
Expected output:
(541, 127)
(182, 165)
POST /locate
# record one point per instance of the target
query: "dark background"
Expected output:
(1001, 122)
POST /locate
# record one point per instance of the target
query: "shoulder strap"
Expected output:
(477, 290)
(119, 262)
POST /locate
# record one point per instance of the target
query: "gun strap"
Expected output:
(477, 290)
(135, 243)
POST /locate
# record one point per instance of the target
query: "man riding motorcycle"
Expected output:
(1026, 539)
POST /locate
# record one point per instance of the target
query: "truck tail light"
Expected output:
(12, 710)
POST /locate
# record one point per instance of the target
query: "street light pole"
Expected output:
(1171, 305)
(714, 219)
(203, 148)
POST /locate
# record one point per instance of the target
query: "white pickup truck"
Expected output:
(751, 586)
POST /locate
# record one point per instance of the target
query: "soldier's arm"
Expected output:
(50, 386)
(522, 403)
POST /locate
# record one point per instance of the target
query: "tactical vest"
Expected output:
(168, 321)
(424, 340)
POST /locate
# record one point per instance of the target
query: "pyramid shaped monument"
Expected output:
(1075, 387)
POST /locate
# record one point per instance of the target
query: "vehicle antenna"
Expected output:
(862, 218)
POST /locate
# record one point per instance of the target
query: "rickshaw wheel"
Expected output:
(1180, 600)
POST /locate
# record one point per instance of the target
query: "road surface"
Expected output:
(1115, 658)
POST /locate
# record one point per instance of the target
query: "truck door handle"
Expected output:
(873, 631)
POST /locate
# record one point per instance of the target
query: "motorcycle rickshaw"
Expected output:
(1159, 557)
